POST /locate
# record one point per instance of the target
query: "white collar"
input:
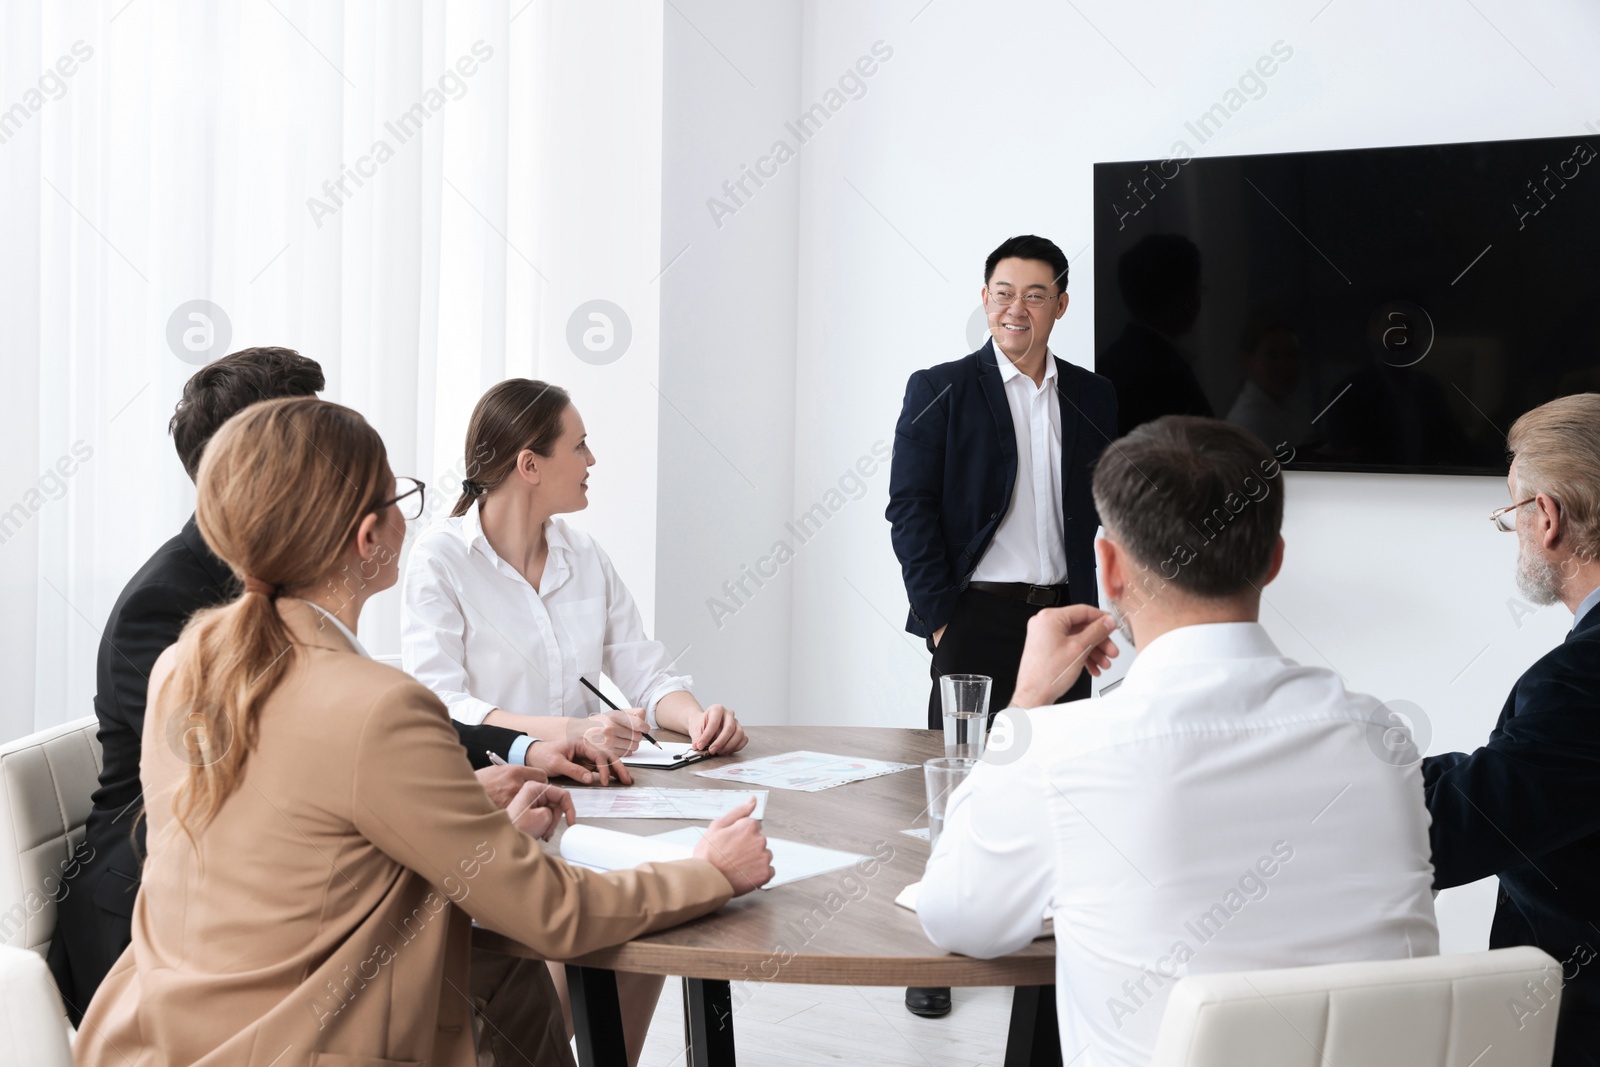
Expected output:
(342, 628)
(555, 539)
(1008, 369)
(471, 528)
(1204, 643)
(1585, 606)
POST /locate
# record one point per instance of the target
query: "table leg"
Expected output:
(596, 1017)
(708, 1016)
(1034, 1039)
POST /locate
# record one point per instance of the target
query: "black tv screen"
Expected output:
(1383, 309)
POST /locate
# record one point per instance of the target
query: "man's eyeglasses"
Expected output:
(411, 500)
(1505, 519)
(1005, 298)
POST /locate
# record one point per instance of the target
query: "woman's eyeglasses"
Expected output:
(410, 501)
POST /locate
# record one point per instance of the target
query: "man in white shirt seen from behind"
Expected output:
(1224, 809)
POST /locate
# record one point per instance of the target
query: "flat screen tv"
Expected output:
(1378, 309)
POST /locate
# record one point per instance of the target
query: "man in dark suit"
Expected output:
(1159, 280)
(1526, 806)
(989, 503)
(96, 907)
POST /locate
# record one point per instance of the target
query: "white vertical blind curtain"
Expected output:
(348, 179)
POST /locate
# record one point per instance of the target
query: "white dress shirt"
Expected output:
(478, 634)
(1585, 606)
(1224, 809)
(328, 616)
(518, 752)
(1029, 545)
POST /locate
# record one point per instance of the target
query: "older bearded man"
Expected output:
(1526, 806)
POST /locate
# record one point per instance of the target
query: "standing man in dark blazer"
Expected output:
(95, 912)
(1526, 806)
(989, 501)
(989, 504)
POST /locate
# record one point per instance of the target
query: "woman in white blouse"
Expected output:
(507, 610)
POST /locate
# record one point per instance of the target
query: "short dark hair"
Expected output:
(1192, 500)
(225, 387)
(1157, 273)
(1027, 246)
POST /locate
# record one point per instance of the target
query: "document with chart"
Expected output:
(649, 802)
(805, 771)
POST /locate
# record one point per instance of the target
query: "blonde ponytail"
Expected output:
(280, 491)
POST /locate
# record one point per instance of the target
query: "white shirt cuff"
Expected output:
(679, 684)
(470, 710)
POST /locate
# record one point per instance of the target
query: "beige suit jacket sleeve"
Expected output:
(415, 798)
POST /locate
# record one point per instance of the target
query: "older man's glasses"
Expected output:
(1505, 519)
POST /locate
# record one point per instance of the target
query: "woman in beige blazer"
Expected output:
(318, 844)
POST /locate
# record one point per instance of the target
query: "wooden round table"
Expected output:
(841, 928)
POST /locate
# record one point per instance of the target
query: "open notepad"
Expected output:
(610, 850)
(668, 754)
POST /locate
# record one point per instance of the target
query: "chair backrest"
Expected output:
(35, 1034)
(1444, 1010)
(46, 782)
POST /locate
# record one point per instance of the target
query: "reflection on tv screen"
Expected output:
(1385, 309)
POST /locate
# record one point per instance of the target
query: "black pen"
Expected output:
(590, 686)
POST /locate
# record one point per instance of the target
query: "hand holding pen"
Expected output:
(617, 730)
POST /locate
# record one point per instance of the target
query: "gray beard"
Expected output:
(1537, 578)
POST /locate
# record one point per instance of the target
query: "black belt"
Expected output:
(1044, 596)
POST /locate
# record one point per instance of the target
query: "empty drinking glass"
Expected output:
(941, 776)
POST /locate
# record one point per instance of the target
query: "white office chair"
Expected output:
(46, 782)
(33, 1029)
(1454, 1011)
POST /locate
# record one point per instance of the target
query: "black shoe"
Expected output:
(929, 1002)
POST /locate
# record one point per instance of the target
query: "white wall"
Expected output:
(726, 455)
(985, 123)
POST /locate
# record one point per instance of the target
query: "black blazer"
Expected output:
(1526, 807)
(955, 463)
(96, 907)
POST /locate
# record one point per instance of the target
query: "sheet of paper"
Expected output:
(652, 802)
(791, 860)
(805, 771)
(608, 850)
(666, 754)
(920, 833)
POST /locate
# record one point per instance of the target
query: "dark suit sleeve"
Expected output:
(916, 494)
(151, 619)
(481, 740)
(1531, 789)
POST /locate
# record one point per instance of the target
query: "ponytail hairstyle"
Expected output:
(517, 414)
(280, 491)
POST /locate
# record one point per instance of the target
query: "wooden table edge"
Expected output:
(735, 965)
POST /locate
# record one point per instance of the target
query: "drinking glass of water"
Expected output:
(941, 776)
(966, 714)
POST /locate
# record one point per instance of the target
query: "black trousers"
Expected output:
(985, 635)
(1578, 1032)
